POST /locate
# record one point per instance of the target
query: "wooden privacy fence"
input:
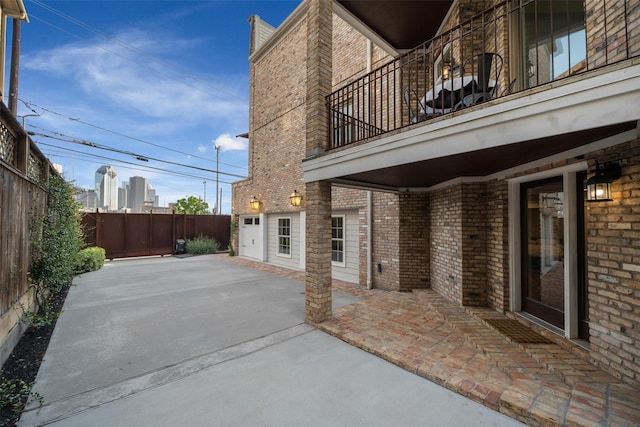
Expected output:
(24, 179)
(141, 234)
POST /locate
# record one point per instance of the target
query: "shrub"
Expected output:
(13, 397)
(90, 259)
(56, 239)
(202, 245)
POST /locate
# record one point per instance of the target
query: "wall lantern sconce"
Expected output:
(254, 203)
(599, 185)
(295, 198)
(446, 71)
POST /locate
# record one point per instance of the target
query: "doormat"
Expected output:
(517, 332)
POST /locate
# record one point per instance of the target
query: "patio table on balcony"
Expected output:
(462, 84)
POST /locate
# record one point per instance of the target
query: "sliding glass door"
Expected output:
(543, 222)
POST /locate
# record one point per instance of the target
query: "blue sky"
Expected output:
(166, 80)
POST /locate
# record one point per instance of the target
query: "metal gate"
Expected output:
(142, 234)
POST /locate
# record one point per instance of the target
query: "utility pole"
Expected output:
(217, 168)
(205, 191)
(15, 66)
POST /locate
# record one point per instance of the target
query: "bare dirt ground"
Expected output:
(25, 360)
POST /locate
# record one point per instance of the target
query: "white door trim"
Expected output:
(570, 237)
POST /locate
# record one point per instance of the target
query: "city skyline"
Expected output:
(133, 195)
(150, 88)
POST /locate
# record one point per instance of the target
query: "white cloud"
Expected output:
(228, 143)
(107, 73)
(202, 149)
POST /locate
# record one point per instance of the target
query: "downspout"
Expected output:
(369, 242)
(369, 202)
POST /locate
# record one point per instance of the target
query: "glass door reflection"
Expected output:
(543, 250)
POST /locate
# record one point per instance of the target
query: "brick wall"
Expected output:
(497, 207)
(446, 242)
(613, 245)
(350, 48)
(414, 241)
(318, 202)
(385, 244)
(278, 135)
(474, 244)
(606, 32)
(318, 253)
(469, 246)
(276, 126)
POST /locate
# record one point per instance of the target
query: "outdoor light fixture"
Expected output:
(295, 198)
(446, 70)
(254, 203)
(599, 185)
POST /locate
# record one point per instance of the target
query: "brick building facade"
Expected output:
(483, 203)
(278, 143)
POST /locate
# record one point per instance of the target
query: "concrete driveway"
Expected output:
(200, 341)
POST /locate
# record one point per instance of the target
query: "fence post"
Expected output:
(125, 230)
(184, 226)
(98, 229)
(173, 227)
(150, 231)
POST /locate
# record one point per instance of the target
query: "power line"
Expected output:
(120, 163)
(31, 105)
(164, 185)
(66, 138)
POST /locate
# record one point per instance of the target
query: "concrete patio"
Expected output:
(218, 341)
(548, 384)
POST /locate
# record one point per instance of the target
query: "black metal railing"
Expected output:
(508, 48)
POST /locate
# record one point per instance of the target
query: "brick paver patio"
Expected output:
(549, 384)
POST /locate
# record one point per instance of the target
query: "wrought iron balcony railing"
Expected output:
(508, 48)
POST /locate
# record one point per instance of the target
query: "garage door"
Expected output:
(250, 237)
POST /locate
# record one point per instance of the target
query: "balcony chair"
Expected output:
(410, 98)
(483, 91)
(509, 89)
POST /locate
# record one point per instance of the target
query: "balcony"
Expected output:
(509, 48)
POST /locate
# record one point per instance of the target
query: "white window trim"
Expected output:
(344, 241)
(570, 237)
(278, 253)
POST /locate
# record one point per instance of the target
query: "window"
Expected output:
(554, 40)
(284, 236)
(337, 240)
(248, 221)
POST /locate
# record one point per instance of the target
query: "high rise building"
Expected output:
(106, 185)
(137, 194)
(87, 199)
(151, 195)
(122, 197)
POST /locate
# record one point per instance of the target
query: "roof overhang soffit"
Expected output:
(395, 26)
(14, 9)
